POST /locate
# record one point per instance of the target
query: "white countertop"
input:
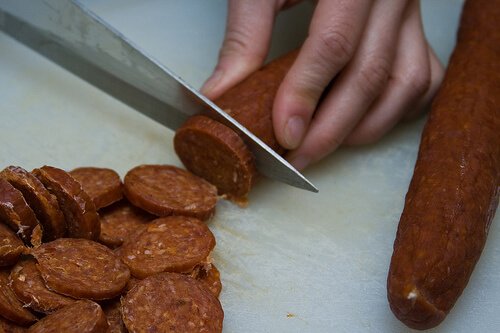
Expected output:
(292, 261)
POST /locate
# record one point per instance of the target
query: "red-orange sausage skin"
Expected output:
(251, 101)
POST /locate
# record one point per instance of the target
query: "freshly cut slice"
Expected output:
(10, 307)
(78, 209)
(165, 190)
(119, 221)
(81, 268)
(39, 199)
(173, 244)
(216, 153)
(11, 246)
(27, 283)
(170, 302)
(7, 326)
(103, 185)
(82, 316)
(15, 212)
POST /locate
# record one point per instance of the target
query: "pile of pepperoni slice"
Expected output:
(81, 251)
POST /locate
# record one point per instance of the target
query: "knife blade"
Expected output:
(78, 40)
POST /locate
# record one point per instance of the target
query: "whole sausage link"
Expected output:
(455, 186)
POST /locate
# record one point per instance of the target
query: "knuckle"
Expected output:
(237, 41)
(327, 142)
(373, 75)
(335, 44)
(365, 136)
(418, 80)
(308, 89)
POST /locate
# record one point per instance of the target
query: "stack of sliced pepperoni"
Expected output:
(82, 252)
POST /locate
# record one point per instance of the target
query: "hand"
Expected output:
(364, 66)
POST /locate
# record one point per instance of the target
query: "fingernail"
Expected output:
(300, 162)
(212, 82)
(294, 130)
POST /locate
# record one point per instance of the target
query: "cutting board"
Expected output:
(293, 261)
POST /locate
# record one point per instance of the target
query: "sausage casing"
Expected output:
(455, 186)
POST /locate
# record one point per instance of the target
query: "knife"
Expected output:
(78, 40)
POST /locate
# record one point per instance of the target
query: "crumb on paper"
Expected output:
(290, 315)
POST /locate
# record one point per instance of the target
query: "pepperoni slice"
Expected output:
(174, 244)
(80, 317)
(81, 268)
(36, 236)
(216, 153)
(167, 190)
(15, 212)
(39, 199)
(119, 221)
(209, 275)
(170, 302)
(9, 327)
(11, 246)
(78, 209)
(29, 287)
(103, 185)
(10, 307)
(113, 311)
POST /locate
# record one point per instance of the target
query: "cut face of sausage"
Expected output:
(43, 203)
(10, 307)
(82, 316)
(209, 275)
(11, 246)
(81, 268)
(29, 287)
(79, 210)
(165, 190)
(103, 185)
(15, 212)
(174, 244)
(119, 221)
(216, 153)
(170, 302)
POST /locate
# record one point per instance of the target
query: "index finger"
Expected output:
(334, 34)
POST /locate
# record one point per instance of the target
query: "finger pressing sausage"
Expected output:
(353, 92)
(246, 42)
(335, 32)
(409, 83)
